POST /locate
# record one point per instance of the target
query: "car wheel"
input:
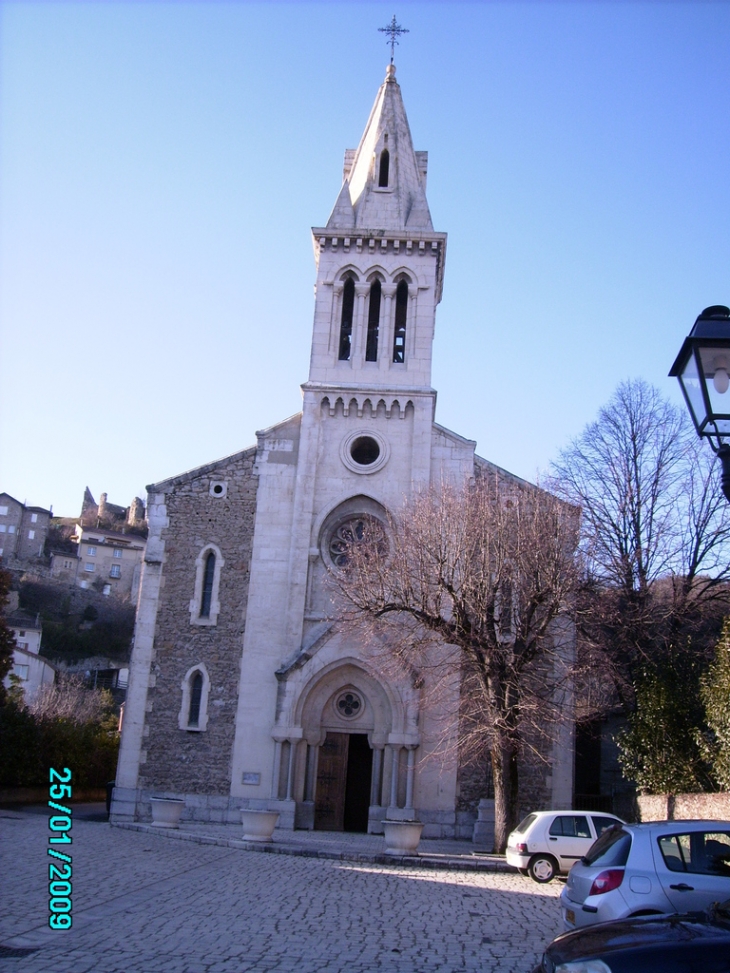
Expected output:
(542, 868)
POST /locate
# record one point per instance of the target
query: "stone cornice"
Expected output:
(377, 243)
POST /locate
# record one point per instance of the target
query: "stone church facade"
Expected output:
(242, 691)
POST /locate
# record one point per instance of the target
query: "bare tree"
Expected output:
(487, 572)
(655, 530)
(69, 699)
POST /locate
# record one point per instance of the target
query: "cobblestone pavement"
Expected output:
(143, 904)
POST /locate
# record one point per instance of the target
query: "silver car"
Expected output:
(658, 868)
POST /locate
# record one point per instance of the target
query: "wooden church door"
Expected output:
(329, 805)
(344, 773)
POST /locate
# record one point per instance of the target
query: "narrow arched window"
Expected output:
(401, 310)
(196, 694)
(204, 604)
(208, 576)
(348, 307)
(371, 349)
(193, 715)
(383, 169)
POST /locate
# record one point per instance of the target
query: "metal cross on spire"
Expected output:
(393, 30)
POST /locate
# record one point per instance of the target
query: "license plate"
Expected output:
(570, 916)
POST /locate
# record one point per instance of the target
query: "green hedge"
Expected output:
(29, 747)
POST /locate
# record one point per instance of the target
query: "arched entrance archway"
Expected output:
(346, 717)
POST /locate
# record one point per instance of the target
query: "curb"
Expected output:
(481, 863)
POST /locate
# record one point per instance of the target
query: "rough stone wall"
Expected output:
(684, 807)
(181, 760)
(475, 779)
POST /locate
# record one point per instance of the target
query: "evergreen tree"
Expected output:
(7, 639)
(660, 748)
(715, 693)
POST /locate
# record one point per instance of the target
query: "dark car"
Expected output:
(690, 943)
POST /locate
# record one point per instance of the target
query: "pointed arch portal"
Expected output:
(350, 767)
(346, 717)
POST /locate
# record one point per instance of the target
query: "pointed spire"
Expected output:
(385, 185)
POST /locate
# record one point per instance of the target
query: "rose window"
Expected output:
(351, 532)
(349, 705)
(344, 537)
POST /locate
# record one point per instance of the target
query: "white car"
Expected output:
(548, 843)
(658, 868)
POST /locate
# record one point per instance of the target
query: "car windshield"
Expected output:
(525, 824)
(611, 849)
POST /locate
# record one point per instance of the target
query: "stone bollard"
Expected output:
(484, 825)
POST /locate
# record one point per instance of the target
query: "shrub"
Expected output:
(66, 725)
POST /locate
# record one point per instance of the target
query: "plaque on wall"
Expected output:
(251, 778)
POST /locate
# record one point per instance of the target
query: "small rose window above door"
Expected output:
(349, 705)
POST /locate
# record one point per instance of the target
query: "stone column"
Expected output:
(394, 768)
(375, 780)
(290, 772)
(411, 315)
(311, 772)
(387, 320)
(410, 777)
(277, 770)
(359, 325)
(336, 322)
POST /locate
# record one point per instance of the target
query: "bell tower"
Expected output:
(367, 423)
(380, 264)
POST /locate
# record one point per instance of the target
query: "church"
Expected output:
(243, 692)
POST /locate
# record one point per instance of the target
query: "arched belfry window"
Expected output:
(195, 687)
(204, 605)
(371, 349)
(383, 169)
(401, 311)
(348, 308)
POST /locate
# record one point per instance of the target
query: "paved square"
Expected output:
(144, 903)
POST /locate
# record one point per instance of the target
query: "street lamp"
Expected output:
(703, 369)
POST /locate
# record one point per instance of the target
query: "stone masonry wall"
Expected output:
(684, 807)
(179, 760)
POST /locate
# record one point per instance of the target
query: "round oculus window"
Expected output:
(364, 452)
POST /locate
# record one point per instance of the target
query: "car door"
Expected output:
(569, 838)
(693, 865)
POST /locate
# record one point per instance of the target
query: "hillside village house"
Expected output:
(29, 669)
(23, 531)
(111, 559)
(242, 692)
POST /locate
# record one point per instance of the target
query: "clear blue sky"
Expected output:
(162, 164)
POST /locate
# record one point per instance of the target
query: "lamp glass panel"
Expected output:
(692, 385)
(721, 427)
(715, 361)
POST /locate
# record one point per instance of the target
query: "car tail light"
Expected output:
(607, 881)
(521, 848)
